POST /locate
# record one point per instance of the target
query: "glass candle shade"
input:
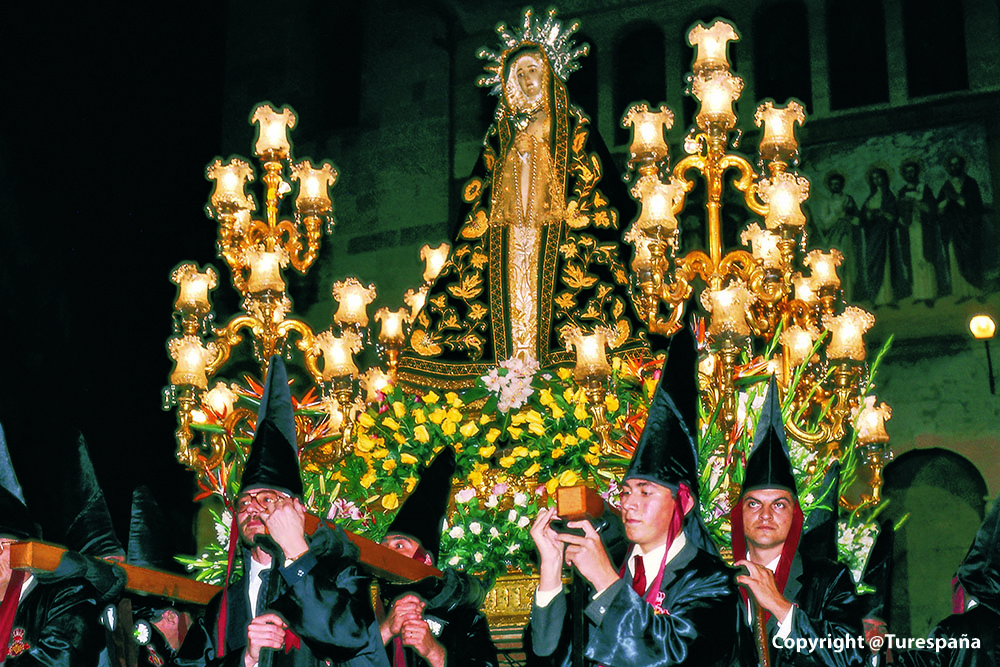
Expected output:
(393, 325)
(870, 422)
(784, 195)
(265, 271)
(314, 187)
(335, 413)
(778, 140)
(764, 245)
(415, 298)
(711, 45)
(272, 131)
(798, 343)
(847, 333)
(337, 353)
(648, 141)
(824, 267)
(231, 178)
(221, 398)
(190, 360)
(193, 287)
(659, 201)
(353, 299)
(716, 91)
(591, 355)
(375, 381)
(729, 310)
(434, 260)
(804, 289)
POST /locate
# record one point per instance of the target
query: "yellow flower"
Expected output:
(591, 459)
(380, 453)
(515, 432)
(368, 478)
(389, 422)
(595, 449)
(338, 476)
(451, 397)
(421, 434)
(570, 441)
(492, 435)
(518, 418)
(475, 478)
(564, 373)
(580, 412)
(454, 415)
(407, 459)
(545, 397)
(419, 416)
(411, 482)
(616, 363)
(390, 501)
(650, 386)
(611, 403)
(537, 429)
(399, 437)
(448, 428)
(533, 470)
(364, 444)
(437, 416)
(389, 465)
(534, 453)
(534, 417)
(568, 478)
(487, 452)
(520, 452)
(399, 409)
(557, 412)
(583, 432)
(485, 419)
(430, 398)
(507, 461)
(568, 394)
(557, 452)
(366, 420)
(469, 430)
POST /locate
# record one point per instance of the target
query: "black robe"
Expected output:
(56, 625)
(699, 627)
(453, 609)
(980, 623)
(827, 605)
(962, 226)
(324, 598)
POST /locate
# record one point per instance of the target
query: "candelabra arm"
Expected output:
(302, 258)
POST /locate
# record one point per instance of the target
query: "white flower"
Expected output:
(457, 532)
(478, 557)
(523, 521)
(465, 495)
(512, 516)
(222, 529)
(494, 532)
(492, 501)
(475, 527)
(520, 499)
(513, 547)
(454, 560)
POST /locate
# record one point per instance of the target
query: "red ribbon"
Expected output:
(292, 641)
(8, 609)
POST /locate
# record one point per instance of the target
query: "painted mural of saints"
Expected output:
(539, 247)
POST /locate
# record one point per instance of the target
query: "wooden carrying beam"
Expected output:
(578, 502)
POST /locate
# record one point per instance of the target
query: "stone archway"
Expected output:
(945, 496)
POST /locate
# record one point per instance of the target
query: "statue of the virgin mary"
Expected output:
(538, 248)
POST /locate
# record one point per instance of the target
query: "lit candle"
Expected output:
(338, 354)
(711, 45)
(647, 131)
(375, 382)
(729, 310)
(193, 287)
(779, 129)
(353, 299)
(716, 92)
(870, 421)
(824, 267)
(272, 131)
(784, 195)
(415, 298)
(265, 270)
(804, 289)
(335, 414)
(659, 201)
(190, 359)
(798, 343)
(764, 245)
(591, 357)
(434, 260)
(846, 333)
(221, 398)
(393, 322)
(314, 186)
(230, 180)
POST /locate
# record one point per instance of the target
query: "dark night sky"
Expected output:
(111, 114)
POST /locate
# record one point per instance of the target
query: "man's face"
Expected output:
(404, 545)
(249, 506)
(646, 510)
(767, 517)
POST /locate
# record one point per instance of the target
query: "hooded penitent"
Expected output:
(769, 467)
(422, 514)
(819, 532)
(979, 572)
(877, 574)
(15, 519)
(667, 450)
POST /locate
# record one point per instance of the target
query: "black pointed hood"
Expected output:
(88, 529)
(15, 519)
(819, 533)
(769, 465)
(980, 570)
(422, 514)
(666, 453)
(878, 573)
(150, 538)
(273, 462)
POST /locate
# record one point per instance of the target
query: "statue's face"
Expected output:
(955, 166)
(836, 185)
(910, 173)
(528, 75)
